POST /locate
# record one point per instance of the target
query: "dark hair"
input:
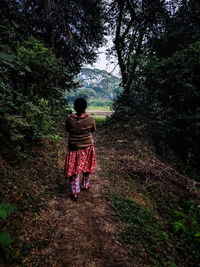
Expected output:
(80, 105)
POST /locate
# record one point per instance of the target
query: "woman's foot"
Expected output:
(74, 197)
(86, 189)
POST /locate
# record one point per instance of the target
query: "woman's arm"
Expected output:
(67, 125)
(93, 125)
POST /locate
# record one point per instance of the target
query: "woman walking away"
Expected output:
(80, 159)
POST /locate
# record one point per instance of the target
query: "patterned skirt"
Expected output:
(83, 160)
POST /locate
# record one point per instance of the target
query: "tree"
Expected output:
(173, 97)
(74, 29)
(182, 29)
(161, 72)
(135, 23)
(43, 45)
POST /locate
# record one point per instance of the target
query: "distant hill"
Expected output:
(102, 82)
(98, 86)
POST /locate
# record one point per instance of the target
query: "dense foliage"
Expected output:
(28, 82)
(134, 23)
(43, 45)
(159, 60)
(172, 97)
(73, 29)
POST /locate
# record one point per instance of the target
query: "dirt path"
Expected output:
(80, 234)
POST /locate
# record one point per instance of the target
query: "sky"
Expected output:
(103, 63)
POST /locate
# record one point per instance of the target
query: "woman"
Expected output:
(80, 159)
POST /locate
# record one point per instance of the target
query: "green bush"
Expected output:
(186, 225)
(99, 120)
(173, 99)
(5, 238)
(166, 92)
(31, 92)
(23, 119)
(143, 232)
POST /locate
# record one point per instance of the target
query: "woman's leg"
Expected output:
(74, 184)
(85, 181)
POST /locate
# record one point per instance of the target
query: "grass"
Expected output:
(184, 220)
(143, 231)
(99, 120)
(95, 108)
(27, 184)
(144, 235)
(99, 108)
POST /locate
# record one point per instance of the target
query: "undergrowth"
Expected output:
(99, 120)
(183, 218)
(27, 182)
(143, 231)
(161, 227)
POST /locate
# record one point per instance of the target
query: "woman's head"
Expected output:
(80, 105)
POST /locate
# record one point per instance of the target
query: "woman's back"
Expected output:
(80, 130)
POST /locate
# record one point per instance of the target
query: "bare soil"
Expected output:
(78, 234)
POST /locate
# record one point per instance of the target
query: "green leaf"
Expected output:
(4, 109)
(5, 239)
(9, 64)
(15, 137)
(15, 24)
(197, 235)
(177, 226)
(27, 68)
(3, 214)
(7, 57)
(7, 207)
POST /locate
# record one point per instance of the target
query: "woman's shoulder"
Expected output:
(89, 117)
(74, 116)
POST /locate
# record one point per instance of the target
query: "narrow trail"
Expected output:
(84, 233)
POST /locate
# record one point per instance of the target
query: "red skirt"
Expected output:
(83, 160)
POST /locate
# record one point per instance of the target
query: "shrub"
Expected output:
(5, 238)
(173, 98)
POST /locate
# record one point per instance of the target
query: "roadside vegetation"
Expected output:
(157, 205)
(149, 150)
(36, 69)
